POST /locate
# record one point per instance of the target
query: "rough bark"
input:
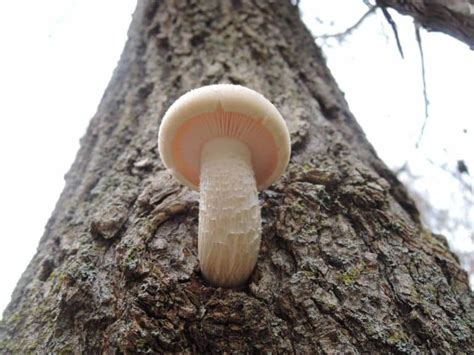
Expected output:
(452, 17)
(345, 265)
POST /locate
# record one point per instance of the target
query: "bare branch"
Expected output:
(392, 23)
(342, 35)
(454, 18)
(423, 75)
(467, 185)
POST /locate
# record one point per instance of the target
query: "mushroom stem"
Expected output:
(229, 214)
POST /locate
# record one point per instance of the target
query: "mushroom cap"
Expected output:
(223, 110)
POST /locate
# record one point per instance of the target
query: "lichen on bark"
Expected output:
(344, 266)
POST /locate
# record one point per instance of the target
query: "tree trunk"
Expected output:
(345, 265)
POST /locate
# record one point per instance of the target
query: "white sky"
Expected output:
(57, 57)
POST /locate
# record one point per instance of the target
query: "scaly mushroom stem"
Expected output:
(229, 214)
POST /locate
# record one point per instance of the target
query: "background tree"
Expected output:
(344, 264)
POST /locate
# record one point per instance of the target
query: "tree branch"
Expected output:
(423, 75)
(341, 35)
(392, 23)
(454, 18)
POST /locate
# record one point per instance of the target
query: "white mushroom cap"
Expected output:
(224, 110)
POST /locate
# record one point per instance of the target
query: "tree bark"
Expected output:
(345, 265)
(452, 17)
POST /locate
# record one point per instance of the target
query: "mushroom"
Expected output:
(227, 141)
